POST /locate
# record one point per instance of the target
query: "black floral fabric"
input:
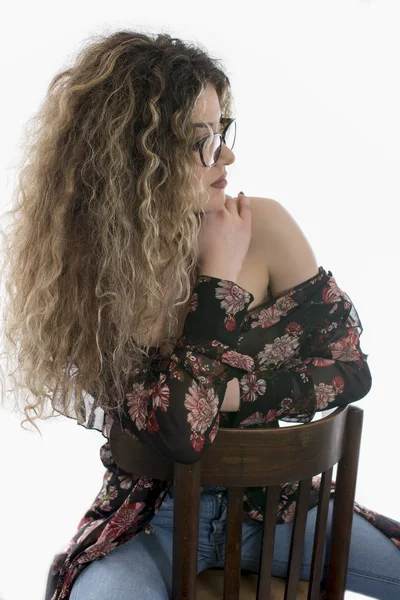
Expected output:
(295, 354)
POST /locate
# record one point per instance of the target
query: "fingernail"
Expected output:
(242, 193)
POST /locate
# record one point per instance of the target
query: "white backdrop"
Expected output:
(318, 128)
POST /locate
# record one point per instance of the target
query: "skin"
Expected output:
(208, 109)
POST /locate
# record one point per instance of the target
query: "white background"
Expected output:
(318, 129)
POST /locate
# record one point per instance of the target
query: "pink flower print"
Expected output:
(251, 387)
(173, 361)
(202, 405)
(256, 515)
(345, 349)
(257, 418)
(137, 401)
(285, 405)
(230, 323)
(194, 302)
(126, 516)
(105, 453)
(112, 492)
(160, 394)
(98, 550)
(288, 514)
(107, 477)
(282, 348)
(84, 521)
(233, 297)
(152, 425)
(197, 366)
(332, 293)
(324, 393)
(338, 384)
(105, 505)
(320, 362)
(284, 304)
(197, 441)
(235, 359)
(214, 430)
(89, 528)
(367, 513)
(104, 499)
(271, 415)
(125, 482)
(67, 582)
(294, 328)
(266, 317)
(142, 482)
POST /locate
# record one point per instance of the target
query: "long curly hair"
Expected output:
(103, 236)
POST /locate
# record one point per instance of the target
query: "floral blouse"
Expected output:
(295, 354)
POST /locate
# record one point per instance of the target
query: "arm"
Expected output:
(311, 360)
(175, 409)
(325, 366)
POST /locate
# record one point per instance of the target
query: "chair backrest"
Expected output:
(240, 458)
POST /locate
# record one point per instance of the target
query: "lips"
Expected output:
(220, 179)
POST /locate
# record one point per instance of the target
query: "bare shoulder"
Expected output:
(259, 209)
(262, 212)
(280, 239)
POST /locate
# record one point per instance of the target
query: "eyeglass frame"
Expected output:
(200, 143)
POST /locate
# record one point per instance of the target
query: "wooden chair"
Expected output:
(240, 458)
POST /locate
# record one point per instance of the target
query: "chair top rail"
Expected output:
(250, 457)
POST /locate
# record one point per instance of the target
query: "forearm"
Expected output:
(231, 401)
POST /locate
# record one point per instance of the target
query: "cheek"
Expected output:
(203, 174)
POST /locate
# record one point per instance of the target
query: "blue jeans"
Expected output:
(142, 567)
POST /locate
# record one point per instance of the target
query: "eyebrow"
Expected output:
(208, 123)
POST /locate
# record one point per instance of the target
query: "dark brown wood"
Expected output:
(185, 530)
(319, 536)
(297, 541)
(254, 456)
(240, 458)
(272, 493)
(343, 507)
(233, 545)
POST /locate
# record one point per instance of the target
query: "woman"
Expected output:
(121, 220)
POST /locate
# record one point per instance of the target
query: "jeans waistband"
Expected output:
(212, 488)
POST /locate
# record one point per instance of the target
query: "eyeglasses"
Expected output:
(211, 146)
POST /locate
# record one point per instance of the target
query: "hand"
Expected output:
(224, 239)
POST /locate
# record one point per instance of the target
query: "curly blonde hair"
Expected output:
(104, 233)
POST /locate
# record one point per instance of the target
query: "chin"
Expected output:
(216, 201)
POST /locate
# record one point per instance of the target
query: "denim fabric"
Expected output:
(142, 567)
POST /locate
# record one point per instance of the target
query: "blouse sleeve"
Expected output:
(313, 362)
(174, 407)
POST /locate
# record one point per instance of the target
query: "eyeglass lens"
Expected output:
(212, 147)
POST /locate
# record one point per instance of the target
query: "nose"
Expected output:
(226, 156)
